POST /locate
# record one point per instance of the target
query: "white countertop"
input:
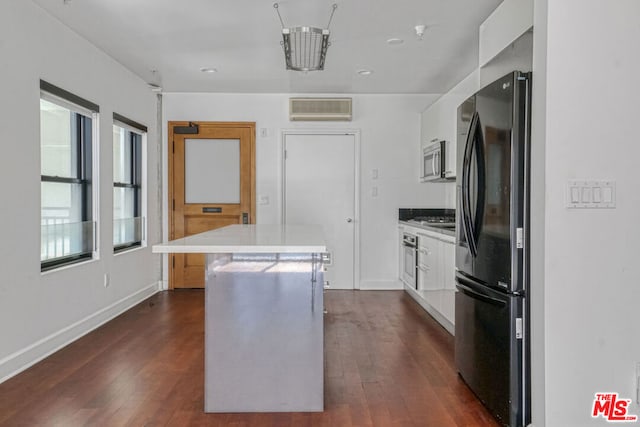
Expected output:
(252, 238)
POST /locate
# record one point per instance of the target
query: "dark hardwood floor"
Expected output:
(387, 363)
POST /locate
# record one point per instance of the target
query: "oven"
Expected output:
(409, 253)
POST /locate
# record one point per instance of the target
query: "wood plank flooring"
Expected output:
(387, 363)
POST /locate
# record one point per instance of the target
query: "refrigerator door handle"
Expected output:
(481, 184)
(467, 225)
(480, 296)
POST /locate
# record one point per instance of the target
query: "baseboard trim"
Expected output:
(380, 285)
(21, 360)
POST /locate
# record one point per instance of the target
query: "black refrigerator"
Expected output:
(492, 256)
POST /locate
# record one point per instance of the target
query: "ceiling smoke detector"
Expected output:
(305, 48)
(420, 31)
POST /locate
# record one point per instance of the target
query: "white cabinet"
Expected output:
(439, 121)
(436, 262)
(428, 262)
(448, 280)
(448, 265)
(436, 274)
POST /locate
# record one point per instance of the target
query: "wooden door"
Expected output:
(211, 185)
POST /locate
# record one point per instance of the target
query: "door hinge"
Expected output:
(173, 261)
(173, 147)
(519, 333)
(173, 204)
(519, 238)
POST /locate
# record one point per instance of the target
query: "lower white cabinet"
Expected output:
(429, 260)
(436, 262)
(436, 276)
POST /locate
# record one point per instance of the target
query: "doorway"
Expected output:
(320, 186)
(211, 185)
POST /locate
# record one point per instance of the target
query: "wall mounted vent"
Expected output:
(320, 109)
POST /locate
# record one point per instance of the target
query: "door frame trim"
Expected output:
(356, 185)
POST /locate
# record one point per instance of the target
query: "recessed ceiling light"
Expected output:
(208, 70)
(365, 72)
(395, 41)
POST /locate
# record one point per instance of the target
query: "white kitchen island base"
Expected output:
(263, 333)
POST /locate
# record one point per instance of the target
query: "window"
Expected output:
(128, 212)
(67, 128)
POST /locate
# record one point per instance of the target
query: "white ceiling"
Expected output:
(241, 39)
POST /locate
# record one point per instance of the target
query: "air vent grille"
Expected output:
(320, 109)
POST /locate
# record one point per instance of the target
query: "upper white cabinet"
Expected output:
(438, 122)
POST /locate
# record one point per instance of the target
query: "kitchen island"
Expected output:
(263, 316)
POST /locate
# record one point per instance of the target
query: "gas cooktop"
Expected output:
(438, 218)
(435, 219)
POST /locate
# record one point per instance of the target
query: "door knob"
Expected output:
(349, 220)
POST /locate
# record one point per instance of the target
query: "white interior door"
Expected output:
(319, 188)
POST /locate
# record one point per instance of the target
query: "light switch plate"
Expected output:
(591, 194)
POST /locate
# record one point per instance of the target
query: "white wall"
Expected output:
(40, 312)
(591, 287)
(390, 141)
(537, 213)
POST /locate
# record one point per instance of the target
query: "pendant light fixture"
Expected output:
(305, 48)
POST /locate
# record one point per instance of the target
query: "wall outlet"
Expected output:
(106, 280)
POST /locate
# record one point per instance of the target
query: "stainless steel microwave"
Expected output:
(434, 162)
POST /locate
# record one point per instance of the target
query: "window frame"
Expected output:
(138, 178)
(84, 141)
